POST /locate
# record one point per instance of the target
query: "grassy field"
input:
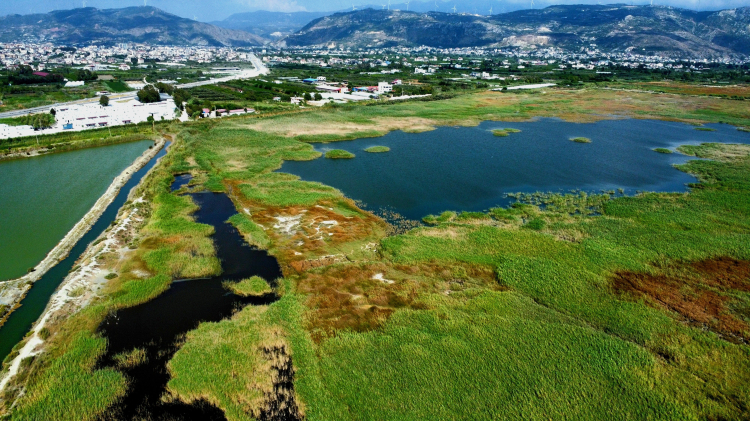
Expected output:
(597, 307)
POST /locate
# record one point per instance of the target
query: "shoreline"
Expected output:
(15, 289)
(42, 150)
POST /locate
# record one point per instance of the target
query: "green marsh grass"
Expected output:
(378, 149)
(663, 150)
(251, 287)
(581, 140)
(339, 154)
(705, 129)
(512, 130)
(500, 133)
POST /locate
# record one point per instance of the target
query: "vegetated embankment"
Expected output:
(14, 290)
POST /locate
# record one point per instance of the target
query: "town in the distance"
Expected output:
(47, 88)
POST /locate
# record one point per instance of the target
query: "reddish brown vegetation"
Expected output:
(700, 296)
(346, 297)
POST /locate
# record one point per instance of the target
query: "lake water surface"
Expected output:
(44, 197)
(470, 169)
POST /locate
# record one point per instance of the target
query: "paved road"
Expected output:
(259, 69)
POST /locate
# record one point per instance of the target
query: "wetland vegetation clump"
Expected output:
(339, 154)
(378, 149)
(705, 129)
(251, 287)
(744, 129)
(446, 216)
(581, 140)
(512, 130)
(500, 133)
(663, 150)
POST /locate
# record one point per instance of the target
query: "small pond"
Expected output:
(470, 169)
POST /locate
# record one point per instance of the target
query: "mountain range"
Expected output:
(612, 28)
(132, 24)
(666, 30)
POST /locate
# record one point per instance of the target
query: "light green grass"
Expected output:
(500, 133)
(251, 287)
(378, 149)
(339, 154)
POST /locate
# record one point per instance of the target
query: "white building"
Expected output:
(384, 87)
(80, 117)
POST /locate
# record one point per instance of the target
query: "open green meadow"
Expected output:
(562, 306)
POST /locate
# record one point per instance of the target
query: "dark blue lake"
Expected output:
(470, 169)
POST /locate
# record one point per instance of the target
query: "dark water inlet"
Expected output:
(158, 325)
(470, 169)
(33, 305)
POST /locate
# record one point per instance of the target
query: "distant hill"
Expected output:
(269, 24)
(670, 31)
(132, 24)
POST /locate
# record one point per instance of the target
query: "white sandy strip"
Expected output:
(89, 270)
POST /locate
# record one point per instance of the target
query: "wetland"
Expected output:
(471, 169)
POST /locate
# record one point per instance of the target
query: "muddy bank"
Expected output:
(13, 291)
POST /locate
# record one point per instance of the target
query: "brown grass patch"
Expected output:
(700, 294)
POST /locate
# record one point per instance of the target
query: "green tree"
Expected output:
(104, 100)
(148, 94)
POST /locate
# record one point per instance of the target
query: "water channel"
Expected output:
(157, 326)
(470, 169)
(36, 300)
(44, 197)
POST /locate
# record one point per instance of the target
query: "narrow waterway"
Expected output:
(44, 197)
(155, 328)
(33, 305)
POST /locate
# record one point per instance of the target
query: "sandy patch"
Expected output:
(380, 277)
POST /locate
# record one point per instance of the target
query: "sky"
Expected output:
(210, 10)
